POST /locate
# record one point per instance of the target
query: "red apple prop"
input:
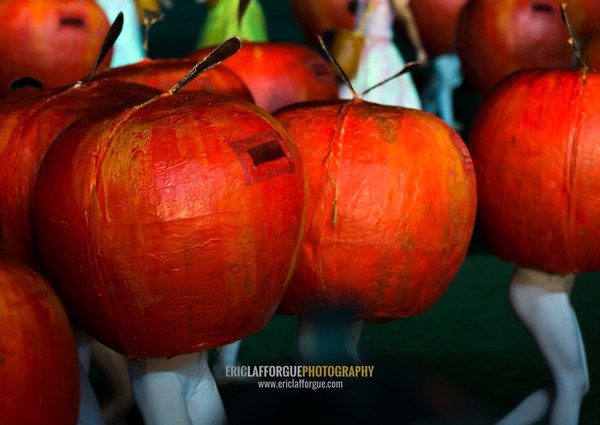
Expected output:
(281, 74)
(163, 74)
(315, 17)
(584, 16)
(498, 37)
(39, 369)
(55, 42)
(391, 208)
(535, 148)
(28, 125)
(437, 20)
(184, 217)
(591, 51)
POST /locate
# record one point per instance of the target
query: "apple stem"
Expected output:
(407, 68)
(150, 18)
(225, 50)
(573, 41)
(337, 66)
(109, 40)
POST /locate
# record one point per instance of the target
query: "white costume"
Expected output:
(380, 59)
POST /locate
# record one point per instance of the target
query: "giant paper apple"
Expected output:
(39, 369)
(391, 208)
(280, 74)
(184, 215)
(162, 74)
(498, 37)
(55, 42)
(316, 17)
(585, 16)
(534, 145)
(436, 21)
(28, 126)
(591, 51)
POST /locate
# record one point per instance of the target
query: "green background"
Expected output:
(467, 360)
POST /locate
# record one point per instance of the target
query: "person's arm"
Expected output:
(405, 15)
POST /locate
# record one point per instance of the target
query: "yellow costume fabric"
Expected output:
(153, 5)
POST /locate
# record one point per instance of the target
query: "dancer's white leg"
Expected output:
(89, 409)
(531, 409)
(227, 355)
(114, 368)
(176, 391)
(541, 301)
(431, 90)
(438, 92)
(306, 339)
(352, 338)
(317, 340)
(203, 399)
(445, 103)
(447, 67)
(159, 393)
(84, 348)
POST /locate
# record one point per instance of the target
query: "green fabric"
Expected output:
(222, 22)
